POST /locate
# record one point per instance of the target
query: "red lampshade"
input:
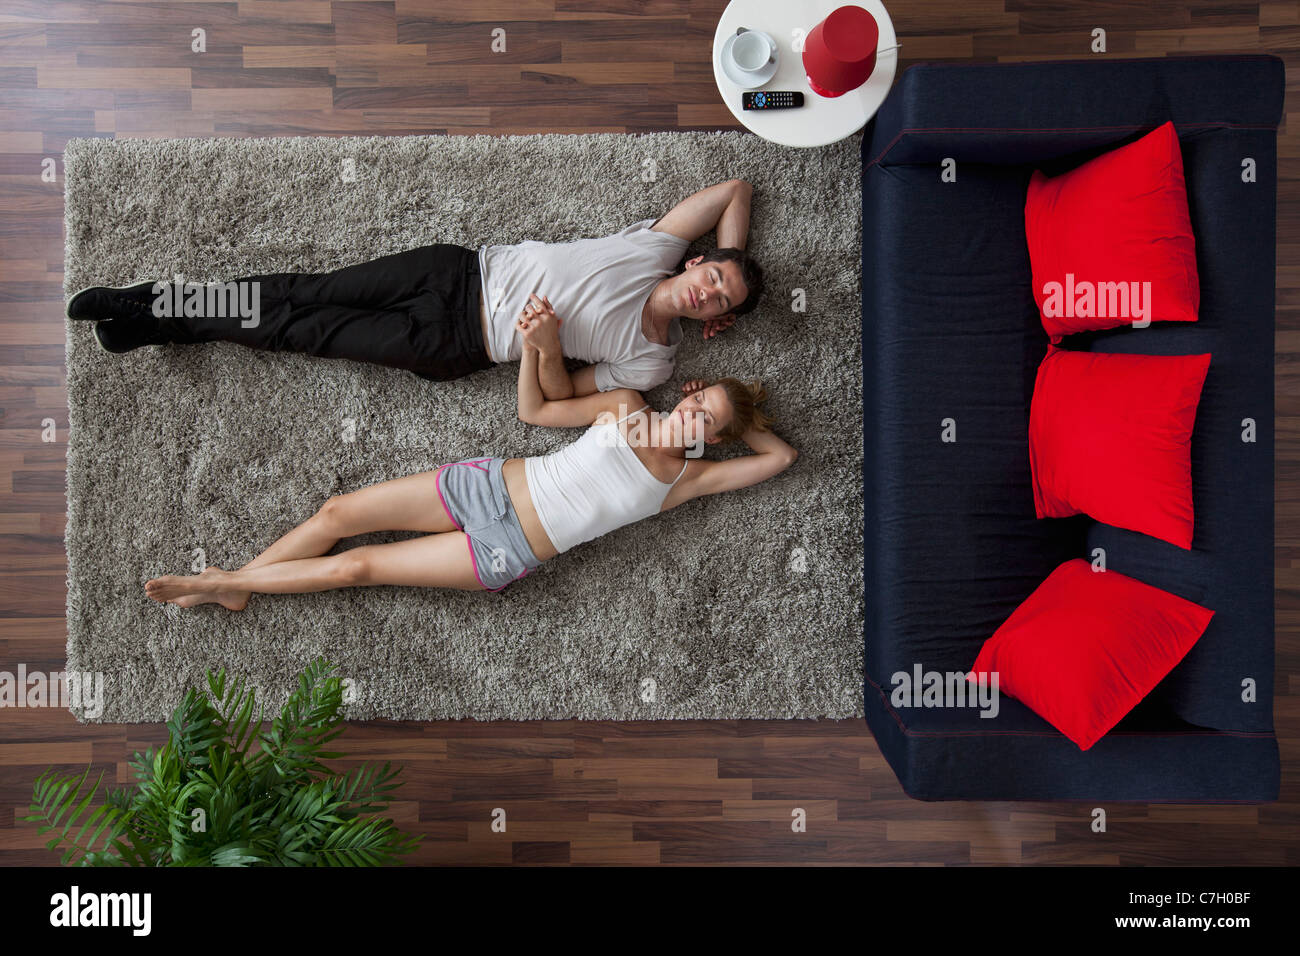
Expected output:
(840, 52)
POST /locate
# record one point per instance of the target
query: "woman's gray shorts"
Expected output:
(473, 492)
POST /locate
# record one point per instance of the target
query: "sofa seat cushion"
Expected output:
(952, 542)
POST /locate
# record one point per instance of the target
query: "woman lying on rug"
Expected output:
(493, 520)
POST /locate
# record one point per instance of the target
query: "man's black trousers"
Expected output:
(416, 310)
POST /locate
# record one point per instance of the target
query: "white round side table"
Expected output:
(820, 120)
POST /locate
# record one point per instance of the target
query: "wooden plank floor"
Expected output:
(575, 791)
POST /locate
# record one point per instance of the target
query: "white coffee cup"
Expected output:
(752, 50)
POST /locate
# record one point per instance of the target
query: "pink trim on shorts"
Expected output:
(437, 475)
(469, 542)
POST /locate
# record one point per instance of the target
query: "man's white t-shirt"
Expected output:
(598, 288)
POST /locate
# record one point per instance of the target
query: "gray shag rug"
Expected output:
(743, 605)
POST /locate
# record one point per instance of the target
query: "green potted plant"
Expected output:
(208, 798)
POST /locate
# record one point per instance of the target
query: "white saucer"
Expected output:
(744, 80)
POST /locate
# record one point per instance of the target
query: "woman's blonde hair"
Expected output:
(746, 397)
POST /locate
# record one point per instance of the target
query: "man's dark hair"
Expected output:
(750, 272)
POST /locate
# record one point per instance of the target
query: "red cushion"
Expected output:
(1110, 436)
(1119, 218)
(1087, 646)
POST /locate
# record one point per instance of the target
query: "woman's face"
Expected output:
(700, 415)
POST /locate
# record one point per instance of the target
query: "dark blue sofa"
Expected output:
(951, 331)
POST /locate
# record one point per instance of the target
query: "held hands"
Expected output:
(539, 325)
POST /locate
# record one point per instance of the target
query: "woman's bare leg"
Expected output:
(434, 561)
(410, 503)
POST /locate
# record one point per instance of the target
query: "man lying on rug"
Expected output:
(444, 311)
(500, 518)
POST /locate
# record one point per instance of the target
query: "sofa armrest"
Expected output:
(1036, 112)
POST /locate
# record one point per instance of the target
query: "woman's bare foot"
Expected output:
(230, 600)
(191, 589)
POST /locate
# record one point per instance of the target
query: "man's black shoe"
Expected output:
(107, 302)
(125, 334)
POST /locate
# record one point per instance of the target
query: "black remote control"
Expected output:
(773, 100)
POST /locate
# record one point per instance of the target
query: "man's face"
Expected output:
(706, 290)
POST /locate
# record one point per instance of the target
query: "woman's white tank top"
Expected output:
(593, 485)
